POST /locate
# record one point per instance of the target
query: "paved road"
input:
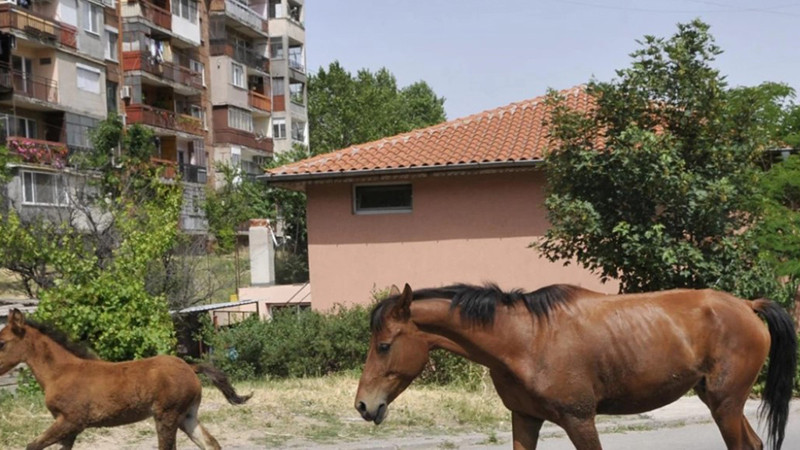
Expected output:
(684, 425)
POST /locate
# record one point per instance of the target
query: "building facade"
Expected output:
(197, 73)
(287, 44)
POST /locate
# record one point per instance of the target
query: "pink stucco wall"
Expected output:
(463, 228)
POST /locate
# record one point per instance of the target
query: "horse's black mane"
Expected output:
(78, 349)
(479, 303)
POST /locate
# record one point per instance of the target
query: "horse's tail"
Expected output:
(221, 382)
(782, 369)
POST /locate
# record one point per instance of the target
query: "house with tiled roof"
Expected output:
(456, 202)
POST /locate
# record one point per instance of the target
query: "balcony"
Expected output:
(27, 85)
(162, 118)
(37, 27)
(168, 71)
(243, 55)
(158, 16)
(242, 13)
(193, 174)
(225, 135)
(38, 151)
(259, 101)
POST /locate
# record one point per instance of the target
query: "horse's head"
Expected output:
(397, 354)
(12, 346)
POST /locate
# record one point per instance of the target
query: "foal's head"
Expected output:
(397, 354)
(13, 347)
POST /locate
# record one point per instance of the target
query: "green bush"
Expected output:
(309, 343)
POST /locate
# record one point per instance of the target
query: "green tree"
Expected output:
(345, 110)
(663, 200)
(89, 265)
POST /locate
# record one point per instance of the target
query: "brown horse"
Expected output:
(565, 354)
(82, 391)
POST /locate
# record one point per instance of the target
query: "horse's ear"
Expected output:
(17, 322)
(402, 309)
(394, 290)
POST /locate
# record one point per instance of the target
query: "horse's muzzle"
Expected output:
(376, 416)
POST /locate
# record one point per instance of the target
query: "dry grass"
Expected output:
(10, 287)
(288, 413)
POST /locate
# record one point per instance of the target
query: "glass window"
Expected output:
(88, 79)
(240, 119)
(43, 189)
(186, 9)
(111, 45)
(279, 128)
(298, 131)
(383, 198)
(91, 18)
(237, 77)
(276, 48)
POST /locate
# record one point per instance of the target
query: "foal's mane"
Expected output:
(59, 337)
(478, 303)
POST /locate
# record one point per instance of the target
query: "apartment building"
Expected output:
(54, 61)
(288, 70)
(197, 73)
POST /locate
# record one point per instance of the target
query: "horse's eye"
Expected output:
(383, 348)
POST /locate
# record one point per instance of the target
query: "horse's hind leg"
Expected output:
(728, 413)
(167, 430)
(582, 432)
(196, 432)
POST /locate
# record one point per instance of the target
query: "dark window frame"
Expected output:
(367, 198)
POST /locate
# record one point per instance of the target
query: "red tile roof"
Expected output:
(510, 135)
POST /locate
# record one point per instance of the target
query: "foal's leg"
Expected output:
(525, 430)
(61, 430)
(167, 430)
(582, 433)
(196, 432)
(68, 442)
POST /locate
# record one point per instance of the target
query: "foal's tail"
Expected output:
(782, 368)
(219, 380)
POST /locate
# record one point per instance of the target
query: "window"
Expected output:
(186, 9)
(111, 45)
(91, 19)
(240, 119)
(237, 75)
(296, 93)
(279, 128)
(299, 131)
(67, 12)
(25, 128)
(111, 96)
(382, 198)
(78, 130)
(198, 67)
(296, 58)
(275, 9)
(278, 86)
(88, 78)
(276, 48)
(22, 73)
(43, 189)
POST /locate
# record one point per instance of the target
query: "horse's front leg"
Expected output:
(60, 430)
(525, 430)
(582, 432)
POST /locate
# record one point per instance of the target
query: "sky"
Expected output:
(480, 55)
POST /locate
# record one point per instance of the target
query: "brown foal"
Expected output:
(565, 354)
(82, 392)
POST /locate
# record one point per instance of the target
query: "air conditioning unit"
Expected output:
(125, 92)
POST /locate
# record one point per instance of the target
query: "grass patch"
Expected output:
(287, 412)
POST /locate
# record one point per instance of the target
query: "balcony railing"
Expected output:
(242, 55)
(243, 13)
(259, 101)
(38, 151)
(158, 16)
(37, 27)
(240, 137)
(162, 118)
(169, 71)
(193, 174)
(297, 65)
(27, 85)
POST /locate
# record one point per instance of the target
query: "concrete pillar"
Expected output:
(262, 253)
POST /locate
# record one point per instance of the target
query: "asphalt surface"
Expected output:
(683, 425)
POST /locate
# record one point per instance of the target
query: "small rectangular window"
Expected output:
(382, 198)
(43, 189)
(111, 45)
(279, 128)
(237, 75)
(92, 18)
(88, 78)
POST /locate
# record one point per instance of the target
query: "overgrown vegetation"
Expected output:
(672, 196)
